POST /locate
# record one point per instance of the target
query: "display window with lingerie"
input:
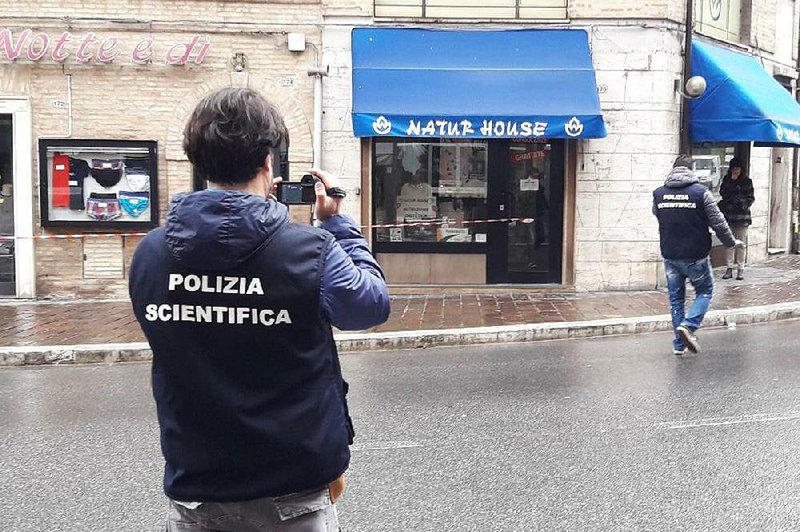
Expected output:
(98, 183)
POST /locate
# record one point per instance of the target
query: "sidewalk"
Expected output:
(106, 331)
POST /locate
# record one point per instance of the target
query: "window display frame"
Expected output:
(103, 146)
(412, 246)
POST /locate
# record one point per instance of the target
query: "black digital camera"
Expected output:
(302, 192)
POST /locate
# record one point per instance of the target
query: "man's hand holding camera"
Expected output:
(329, 194)
(318, 188)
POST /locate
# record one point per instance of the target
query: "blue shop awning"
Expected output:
(743, 102)
(410, 82)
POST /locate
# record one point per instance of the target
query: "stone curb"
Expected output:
(357, 342)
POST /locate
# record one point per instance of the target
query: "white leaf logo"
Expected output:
(779, 132)
(574, 127)
(381, 125)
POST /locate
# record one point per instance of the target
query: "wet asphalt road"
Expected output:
(598, 434)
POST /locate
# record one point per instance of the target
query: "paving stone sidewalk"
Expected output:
(45, 323)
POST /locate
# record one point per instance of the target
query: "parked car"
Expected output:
(708, 171)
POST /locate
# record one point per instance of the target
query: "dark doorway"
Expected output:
(526, 188)
(7, 256)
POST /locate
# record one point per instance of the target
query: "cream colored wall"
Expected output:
(179, 13)
(620, 9)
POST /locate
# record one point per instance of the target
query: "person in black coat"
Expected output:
(737, 198)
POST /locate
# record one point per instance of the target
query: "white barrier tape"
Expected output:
(368, 227)
(449, 222)
(70, 237)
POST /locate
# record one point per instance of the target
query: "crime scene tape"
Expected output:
(448, 223)
(434, 222)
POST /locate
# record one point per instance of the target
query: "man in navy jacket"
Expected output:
(686, 210)
(238, 305)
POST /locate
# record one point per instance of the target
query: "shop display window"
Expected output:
(429, 192)
(98, 184)
(711, 164)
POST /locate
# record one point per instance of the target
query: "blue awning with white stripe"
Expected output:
(742, 102)
(410, 82)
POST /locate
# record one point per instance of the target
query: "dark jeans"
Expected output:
(699, 273)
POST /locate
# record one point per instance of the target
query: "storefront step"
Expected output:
(438, 290)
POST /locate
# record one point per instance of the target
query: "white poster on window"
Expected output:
(415, 201)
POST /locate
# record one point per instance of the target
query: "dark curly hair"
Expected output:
(736, 162)
(230, 133)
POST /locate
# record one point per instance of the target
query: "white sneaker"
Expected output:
(679, 352)
(689, 339)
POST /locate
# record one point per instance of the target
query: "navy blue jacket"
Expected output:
(237, 304)
(685, 210)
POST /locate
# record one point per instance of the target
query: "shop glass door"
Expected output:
(526, 196)
(7, 276)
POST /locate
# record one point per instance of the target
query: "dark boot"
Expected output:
(728, 273)
(740, 275)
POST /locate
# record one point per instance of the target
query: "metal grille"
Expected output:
(472, 9)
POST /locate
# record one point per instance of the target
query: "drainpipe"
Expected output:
(795, 244)
(685, 142)
(318, 71)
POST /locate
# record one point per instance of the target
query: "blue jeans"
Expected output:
(699, 274)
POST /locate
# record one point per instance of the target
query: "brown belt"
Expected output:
(336, 488)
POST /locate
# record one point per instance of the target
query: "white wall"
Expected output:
(616, 234)
(341, 151)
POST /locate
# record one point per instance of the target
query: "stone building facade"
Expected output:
(610, 237)
(637, 51)
(126, 100)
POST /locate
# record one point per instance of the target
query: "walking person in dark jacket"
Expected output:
(685, 210)
(737, 198)
(237, 303)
